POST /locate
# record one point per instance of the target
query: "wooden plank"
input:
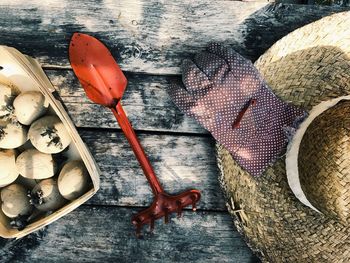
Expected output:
(105, 234)
(150, 36)
(146, 102)
(328, 2)
(180, 162)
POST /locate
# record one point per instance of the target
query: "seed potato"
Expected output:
(35, 165)
(29, 106)
(15, 201)
(49, 135)
(7, 95)
(12, 135)
(8, 171)
(73, 180)
(46, 197)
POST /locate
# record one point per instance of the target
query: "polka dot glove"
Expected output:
(226, 94)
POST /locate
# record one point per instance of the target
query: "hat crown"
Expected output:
(324, 162)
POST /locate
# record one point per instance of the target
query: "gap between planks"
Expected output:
(146, 102)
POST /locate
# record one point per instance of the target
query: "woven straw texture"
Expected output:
(310, 65)
(324, 162)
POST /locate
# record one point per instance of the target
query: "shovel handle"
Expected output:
(137, 148)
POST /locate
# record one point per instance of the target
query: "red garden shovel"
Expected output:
(105, 83)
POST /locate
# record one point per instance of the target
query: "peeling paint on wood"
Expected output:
(105, 234)
(150, 36)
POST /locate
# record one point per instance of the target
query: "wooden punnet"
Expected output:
(25, 74)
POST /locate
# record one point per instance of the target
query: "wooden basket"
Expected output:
(25, 74)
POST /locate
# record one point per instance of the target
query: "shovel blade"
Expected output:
(98, 72)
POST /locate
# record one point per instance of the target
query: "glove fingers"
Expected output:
(187, 104)
(244, 73)
(234, 60)
(193, 78)
(211, 65)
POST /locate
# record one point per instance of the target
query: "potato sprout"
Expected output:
(46, 197)
(49, 135)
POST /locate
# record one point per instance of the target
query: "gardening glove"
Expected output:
(226, 94)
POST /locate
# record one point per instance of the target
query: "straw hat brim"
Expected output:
(308, 66)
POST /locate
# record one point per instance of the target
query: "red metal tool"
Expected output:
(105, 83)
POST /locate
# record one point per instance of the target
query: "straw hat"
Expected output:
(308, 220)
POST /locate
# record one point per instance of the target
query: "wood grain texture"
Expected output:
(180, 162)
(105, 234)
(145, 101)
(328, 2)
(150, 36)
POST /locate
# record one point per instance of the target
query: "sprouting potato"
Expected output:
(46, 197)
(15, 201)
(73, 180)
(8, 171)
(49, 135)
(29, 106)
(35, 165)
(7, 95)
(12, 134)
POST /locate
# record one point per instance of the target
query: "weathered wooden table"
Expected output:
(149, 40)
